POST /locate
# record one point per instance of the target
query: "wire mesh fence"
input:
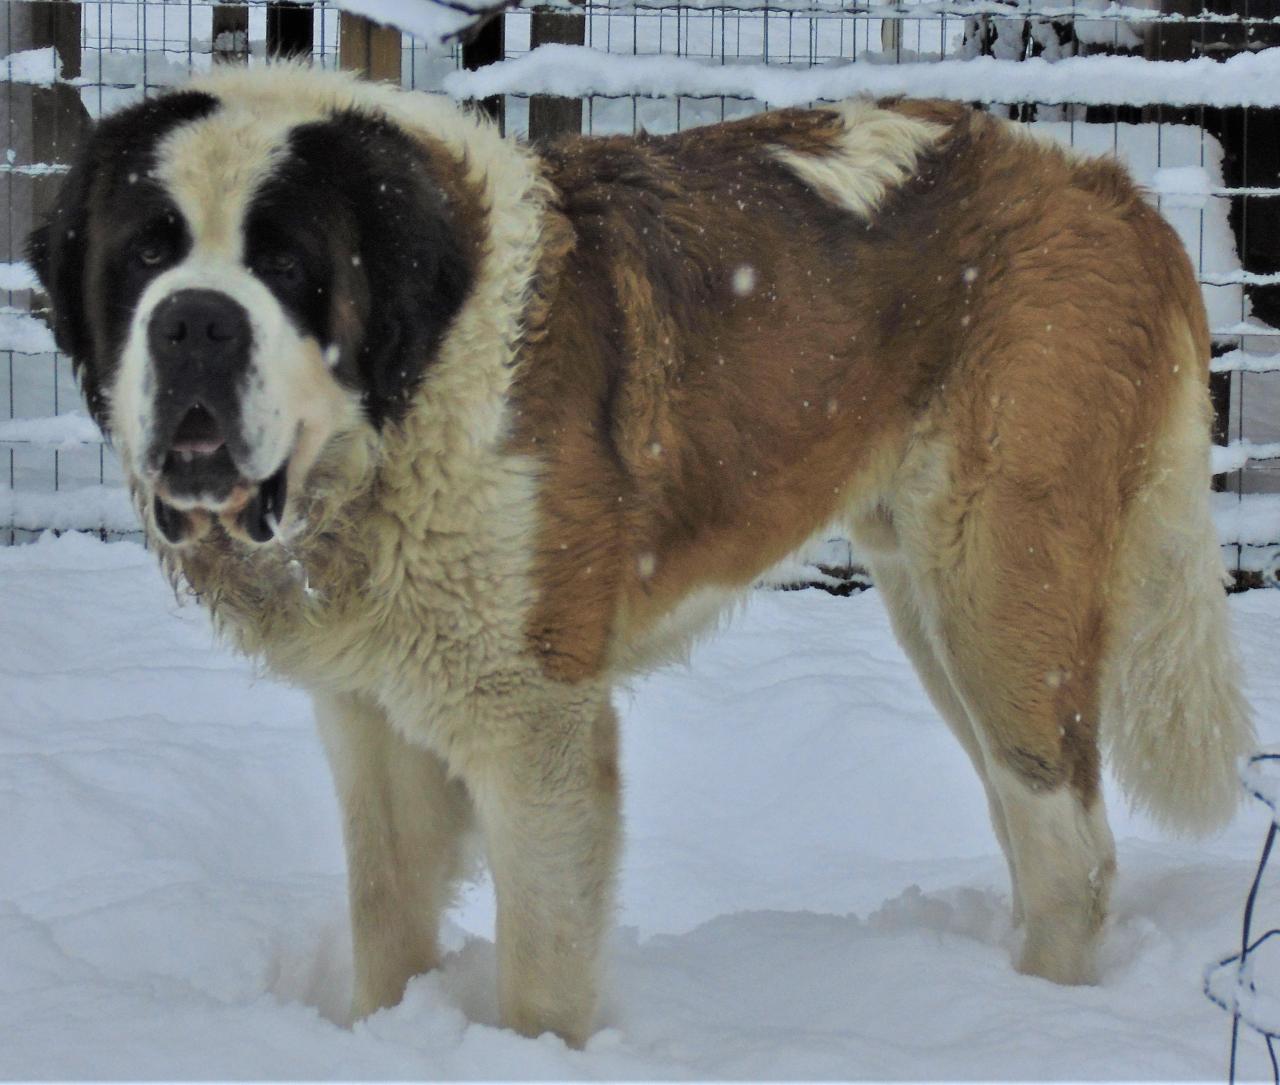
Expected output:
(1241, 984)
(1211, 158)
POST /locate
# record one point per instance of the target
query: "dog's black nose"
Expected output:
(200, 327)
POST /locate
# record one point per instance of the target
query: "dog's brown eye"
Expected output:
(282, 264)
(152, 253)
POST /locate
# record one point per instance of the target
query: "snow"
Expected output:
(1183, 186)
(17, 276)
(1245, 362)
(1255, 520)
(75, 508)
(1251, 79)
(1234, 456)
(810, 887)
(425, 19)
(35, 66)
(60, 431)
(23, 333)
(1245, 278)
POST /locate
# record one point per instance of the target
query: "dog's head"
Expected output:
(241, 274)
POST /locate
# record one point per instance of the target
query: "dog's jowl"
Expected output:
(456, 434)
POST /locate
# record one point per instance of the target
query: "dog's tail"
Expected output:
(1174, 719)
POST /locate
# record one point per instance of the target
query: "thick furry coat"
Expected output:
(457, 434)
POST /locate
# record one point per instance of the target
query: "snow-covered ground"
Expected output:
(810, 888)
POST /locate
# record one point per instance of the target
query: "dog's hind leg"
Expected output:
(1065, 861)
(403, 823)
(1012, 583)
(905, 604)
(1022, 641)
(1028, 678)
(547, 798)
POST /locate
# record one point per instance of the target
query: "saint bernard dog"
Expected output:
(457, 433)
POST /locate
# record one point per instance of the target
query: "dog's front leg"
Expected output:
(403, 824)
(547, 799)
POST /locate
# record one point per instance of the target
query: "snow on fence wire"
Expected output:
(1187, 94)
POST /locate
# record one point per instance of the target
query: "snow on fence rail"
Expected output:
(577, 71)
(61, 431)
(1083, 11)
(573, 71)
(406, 14)
(81, 508)
(1243, 361)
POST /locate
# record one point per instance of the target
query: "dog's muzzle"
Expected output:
(200, 343)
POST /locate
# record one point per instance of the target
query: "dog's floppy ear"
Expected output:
(417, 269)
(56, 251)
(419, 276)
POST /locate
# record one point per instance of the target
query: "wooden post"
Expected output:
(1220, 399)
(488, 45)
(1250, 141)
(367, 48)
(1259, 151)
(550, 116)
(42, 125)
(57, 23)
(231, 33)
(290, 29)
(58, 116)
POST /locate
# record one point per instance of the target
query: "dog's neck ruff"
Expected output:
(462, 407)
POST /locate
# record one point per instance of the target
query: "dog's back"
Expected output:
(984, 353)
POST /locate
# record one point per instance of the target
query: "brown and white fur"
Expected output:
(658, 366)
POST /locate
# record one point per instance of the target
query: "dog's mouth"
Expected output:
(197, 480)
